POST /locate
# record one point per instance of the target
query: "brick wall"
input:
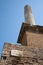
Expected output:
(34, 39)
(24, 39)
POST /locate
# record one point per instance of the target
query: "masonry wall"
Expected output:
(34, 39)
(31, 56)
(24, 39)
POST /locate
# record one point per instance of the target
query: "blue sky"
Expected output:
(12, 16)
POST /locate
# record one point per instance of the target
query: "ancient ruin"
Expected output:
(29, 50)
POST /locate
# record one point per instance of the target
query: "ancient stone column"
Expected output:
(29, 19)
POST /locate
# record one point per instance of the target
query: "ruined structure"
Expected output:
(30, 52)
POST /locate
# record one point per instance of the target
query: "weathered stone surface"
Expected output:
(31, 56)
